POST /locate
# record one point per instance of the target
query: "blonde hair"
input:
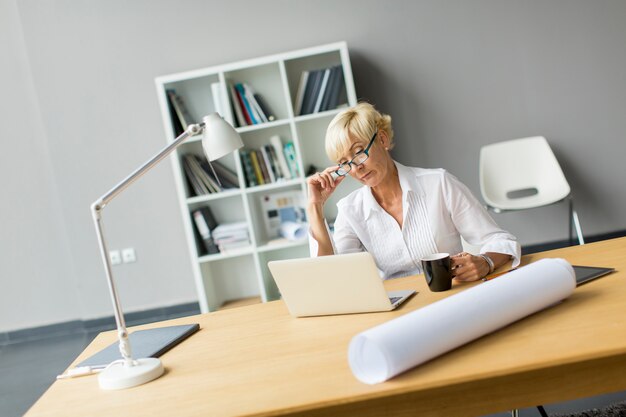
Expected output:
(356, 123)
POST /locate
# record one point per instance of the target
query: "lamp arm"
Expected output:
(147, 166)
(96, 212)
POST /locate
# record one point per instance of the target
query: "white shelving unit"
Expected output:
(242, 273)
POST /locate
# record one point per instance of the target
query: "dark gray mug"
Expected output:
(438, 271)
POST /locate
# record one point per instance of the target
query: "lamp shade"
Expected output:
(220, 138)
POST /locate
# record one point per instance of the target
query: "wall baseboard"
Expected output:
(189, 309)
(76, 327)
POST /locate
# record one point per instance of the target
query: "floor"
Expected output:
(27, 369)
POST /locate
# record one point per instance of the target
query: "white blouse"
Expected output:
(437, 210)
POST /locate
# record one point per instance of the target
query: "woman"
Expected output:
(401, 213)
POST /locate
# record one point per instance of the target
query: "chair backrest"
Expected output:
(520, 174)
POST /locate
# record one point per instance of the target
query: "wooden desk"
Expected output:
(259, 361)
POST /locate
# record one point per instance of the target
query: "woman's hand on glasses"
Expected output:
(321, 185)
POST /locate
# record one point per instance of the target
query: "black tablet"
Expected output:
(587, 273)
(149, 343)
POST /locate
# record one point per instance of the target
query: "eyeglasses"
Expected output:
(357, 160)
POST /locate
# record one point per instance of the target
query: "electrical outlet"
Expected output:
(115, 257)
(128, 255)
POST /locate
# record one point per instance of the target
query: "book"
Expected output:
(312, 90)
(267, 159)
(322, 91)
(246, 162)
(256, 109)
(234, 98)
(180, 109)
(216, 93)
(228, 177)
(290, 156)
(203, 177)
(331, 89)
(264, 107)
(257, 168)
(300, 93)
(177, 127)
(195, 185)
(280, 208)
(262, 166)
(338, 89)
(278, 172)
(205, 224)
(277, 145)
(246, 105)
(213, 169)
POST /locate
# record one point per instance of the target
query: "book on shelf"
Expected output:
(236, 106)
(257, 167)
(220, 103)
(248, 169)
(180, 109)
(269, 166)
(196, 186)
(254, 105)
(310, 93)
(277, 146)
(263, 167)
(281, 211)
(322, 90)
(278, 172)
(247, 108)
(300, 92)
(205, 223)
(265, 109)
(227, 177)
(290, 156)
(202, 178)
(177, 127)
(270, 163)
(331, 95)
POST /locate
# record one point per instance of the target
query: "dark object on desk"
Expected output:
(587, 273)
(150, 343)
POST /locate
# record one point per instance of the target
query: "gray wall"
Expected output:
(82, 113)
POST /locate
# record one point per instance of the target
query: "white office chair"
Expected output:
(524, 173)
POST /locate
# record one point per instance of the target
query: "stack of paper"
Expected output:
(231, 235)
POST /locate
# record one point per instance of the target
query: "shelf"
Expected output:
(208, 197)
(260, 126)
(273, 83)
(279, 244)
(273, 186)
(231, 253)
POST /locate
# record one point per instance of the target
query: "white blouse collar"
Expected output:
(408, 183)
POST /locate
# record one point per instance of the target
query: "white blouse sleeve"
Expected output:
(474, 223)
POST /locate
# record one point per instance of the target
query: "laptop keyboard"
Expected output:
(394, 299)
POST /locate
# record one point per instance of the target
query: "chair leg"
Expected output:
(579, 232)
(574, 223)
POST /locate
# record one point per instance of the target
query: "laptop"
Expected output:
(336, 284)
(587, 273)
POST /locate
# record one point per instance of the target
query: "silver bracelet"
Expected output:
(489, 262)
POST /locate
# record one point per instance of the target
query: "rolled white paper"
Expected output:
(391, 348)
(293, 230)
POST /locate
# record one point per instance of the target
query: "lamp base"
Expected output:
(120, 376)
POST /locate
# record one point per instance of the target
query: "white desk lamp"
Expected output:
(219, 139)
